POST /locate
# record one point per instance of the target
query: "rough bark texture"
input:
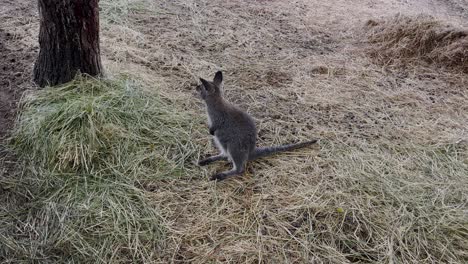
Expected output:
(68, 40)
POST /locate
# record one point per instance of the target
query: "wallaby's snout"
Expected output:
(198, 91)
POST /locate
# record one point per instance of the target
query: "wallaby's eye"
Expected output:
(209, 89)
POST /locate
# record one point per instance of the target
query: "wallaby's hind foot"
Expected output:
(226, 174)
(211, 159)
(239, 160)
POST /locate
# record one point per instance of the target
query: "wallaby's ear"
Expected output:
(218, 79)
(205, 83)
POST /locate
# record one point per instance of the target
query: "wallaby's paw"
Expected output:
(218, 177)
(204, 162)
(212, 131)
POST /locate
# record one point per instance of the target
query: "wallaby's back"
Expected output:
(234, 128)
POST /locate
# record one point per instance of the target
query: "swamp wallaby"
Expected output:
(234, 131)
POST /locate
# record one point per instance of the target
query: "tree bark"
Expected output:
(68, 41)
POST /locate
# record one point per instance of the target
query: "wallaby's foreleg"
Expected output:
(239, 160)
(212, 159)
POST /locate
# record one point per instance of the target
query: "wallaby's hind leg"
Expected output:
(212, 159)
(239, 161)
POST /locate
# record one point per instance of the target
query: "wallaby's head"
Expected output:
(208, 90)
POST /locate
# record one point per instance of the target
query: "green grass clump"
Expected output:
(79, 218)
(87, 146)
(105, 126)
(117, 11)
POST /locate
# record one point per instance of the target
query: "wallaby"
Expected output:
(234, 131)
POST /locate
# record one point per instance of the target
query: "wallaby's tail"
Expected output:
(266, 151)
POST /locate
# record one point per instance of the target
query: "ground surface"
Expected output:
(17, 53)
(300, 68)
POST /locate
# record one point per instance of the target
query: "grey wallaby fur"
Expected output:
(234, 131)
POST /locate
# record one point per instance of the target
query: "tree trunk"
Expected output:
(68, 40)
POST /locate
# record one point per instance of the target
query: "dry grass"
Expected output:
(374, 206)
(386, 185)
(412, 40)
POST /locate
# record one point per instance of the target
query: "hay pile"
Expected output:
(88, 148)
(404, 40)
(93, 125)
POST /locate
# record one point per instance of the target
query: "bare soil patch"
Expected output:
(17, 52)
(17, 55)
(15, 76)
